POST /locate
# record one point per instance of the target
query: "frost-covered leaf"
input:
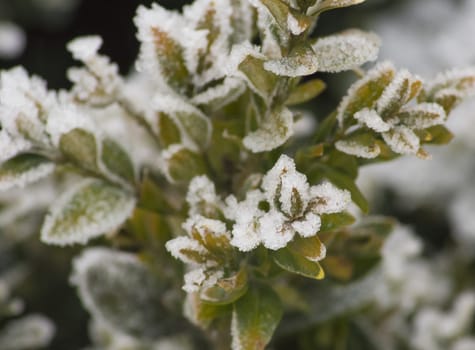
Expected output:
(301, 61)
(402, 140)
(451, 87)
(23, 170)
(372, 119)
(306, 91)
(359, 145)
(195, 128)
(118, 289)
(188, 250)
(273, 132)
(437, 135)
(87, 210)
(27, 333)
(325, 5)
(397, 93)
(344, 51)
(365, 92)
(255, 318)
(182, 164)
(167, 130)
(334, 221)
(227, 290)
(422, 116)
(294, 262)
(117, 161)
(80, 146)
(218, 96)
(160, 32)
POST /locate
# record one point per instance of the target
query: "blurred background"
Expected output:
(437, 197)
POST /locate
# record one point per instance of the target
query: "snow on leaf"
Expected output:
(344, 51)
(423, 115)
(246, 214)
(308, 226)
(28, 332)
(301, 61)
(89, 209)
(372, 120)
(274, 230)
(23, 170)
(402, 140)
(328, 199)
(187, 250)
(273, 132)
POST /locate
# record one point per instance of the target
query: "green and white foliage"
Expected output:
(210, 201)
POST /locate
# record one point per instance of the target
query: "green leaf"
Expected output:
(183, 164)
(326, 127)
(305, 92)
(311, 248)
(279, 11)
(168, 132)
(120, 290)
(325, 5)
(117, 160)
(263, 82)
(152, 198)
(88, 209)
(436, 135)
(226, 290)
(332, 222)
(255, 318)
(296, 263)
(24, 169)
(80, 147)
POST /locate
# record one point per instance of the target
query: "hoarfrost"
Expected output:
(402, 140)
(344, 51)
(357, 149)
(273, 132)
(372, 120)
(10, 180)
(86, 210)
